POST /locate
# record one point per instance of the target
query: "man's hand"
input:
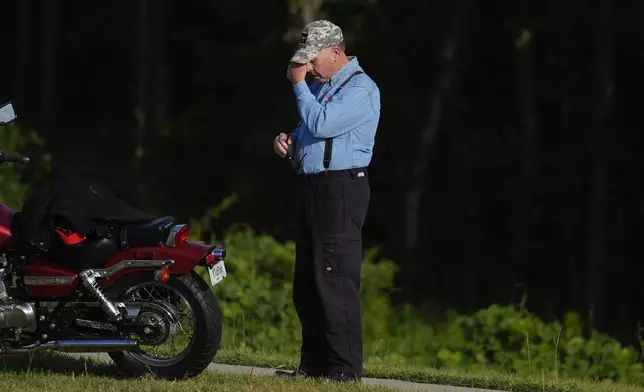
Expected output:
(281, 144)
(296, 72)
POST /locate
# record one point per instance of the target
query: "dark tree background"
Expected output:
(508, 158)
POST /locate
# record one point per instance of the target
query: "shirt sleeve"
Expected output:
(293, 134)
(344, 112)
(312, 89)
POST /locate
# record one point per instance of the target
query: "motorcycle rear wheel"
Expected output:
(206, 339)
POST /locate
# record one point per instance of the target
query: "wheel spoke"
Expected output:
(172, 335)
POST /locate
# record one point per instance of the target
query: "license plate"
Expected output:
(217, 272)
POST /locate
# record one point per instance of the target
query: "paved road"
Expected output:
(401, 385)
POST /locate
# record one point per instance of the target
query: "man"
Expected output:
(330, 149)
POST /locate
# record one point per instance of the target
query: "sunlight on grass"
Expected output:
(463, 378)
(37, 381)
(59, 372)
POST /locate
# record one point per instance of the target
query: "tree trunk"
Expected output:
(142, 109)
(22, 65)
(571, 211)
(153, 86)
(158, 94)
(159, 82)
(309, 10)
(524, 185)
(306, 12)
(48, 82)
(595, 277)
(427, 137)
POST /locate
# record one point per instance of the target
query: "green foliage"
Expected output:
(16, 141)
(259, 316)
(515, 340)
(256, 300)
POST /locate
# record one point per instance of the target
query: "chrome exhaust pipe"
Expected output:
(88, 346)
(81, 346)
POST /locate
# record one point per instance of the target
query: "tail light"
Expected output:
(178, 235)
(218, 254)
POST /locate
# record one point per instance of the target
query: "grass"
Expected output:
(50, 371)
(59, 372)
(462, 378)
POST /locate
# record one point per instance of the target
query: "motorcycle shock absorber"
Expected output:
(89, 281)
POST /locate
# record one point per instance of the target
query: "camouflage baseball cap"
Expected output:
(316, 36)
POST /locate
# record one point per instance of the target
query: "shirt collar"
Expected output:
(345, 71)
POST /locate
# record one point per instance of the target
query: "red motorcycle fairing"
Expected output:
(44, 278)
(6, 215)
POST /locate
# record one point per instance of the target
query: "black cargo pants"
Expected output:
(331, 210)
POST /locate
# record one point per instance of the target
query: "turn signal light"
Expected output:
(162, 274)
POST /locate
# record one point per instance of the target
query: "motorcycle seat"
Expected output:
(91, 252)
(146, 233)
(95, 250)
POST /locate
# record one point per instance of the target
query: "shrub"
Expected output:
(259, 316)
(17, 141)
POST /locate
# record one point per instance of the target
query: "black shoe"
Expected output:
(342, 377)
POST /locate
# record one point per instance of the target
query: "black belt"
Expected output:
(353, 173)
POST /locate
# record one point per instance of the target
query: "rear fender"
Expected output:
(185, 257)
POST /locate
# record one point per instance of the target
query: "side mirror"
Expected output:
(7, 114)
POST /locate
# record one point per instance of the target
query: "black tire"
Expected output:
(206, 339)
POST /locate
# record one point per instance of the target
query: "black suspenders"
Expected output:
(328, 143)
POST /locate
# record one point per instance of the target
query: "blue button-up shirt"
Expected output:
(350, 117)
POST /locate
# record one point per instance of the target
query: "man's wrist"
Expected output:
(300, 88)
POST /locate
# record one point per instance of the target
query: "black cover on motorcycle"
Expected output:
(85, 204)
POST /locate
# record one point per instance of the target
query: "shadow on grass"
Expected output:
(62, 364)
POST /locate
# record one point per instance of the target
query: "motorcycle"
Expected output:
(134, 302)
